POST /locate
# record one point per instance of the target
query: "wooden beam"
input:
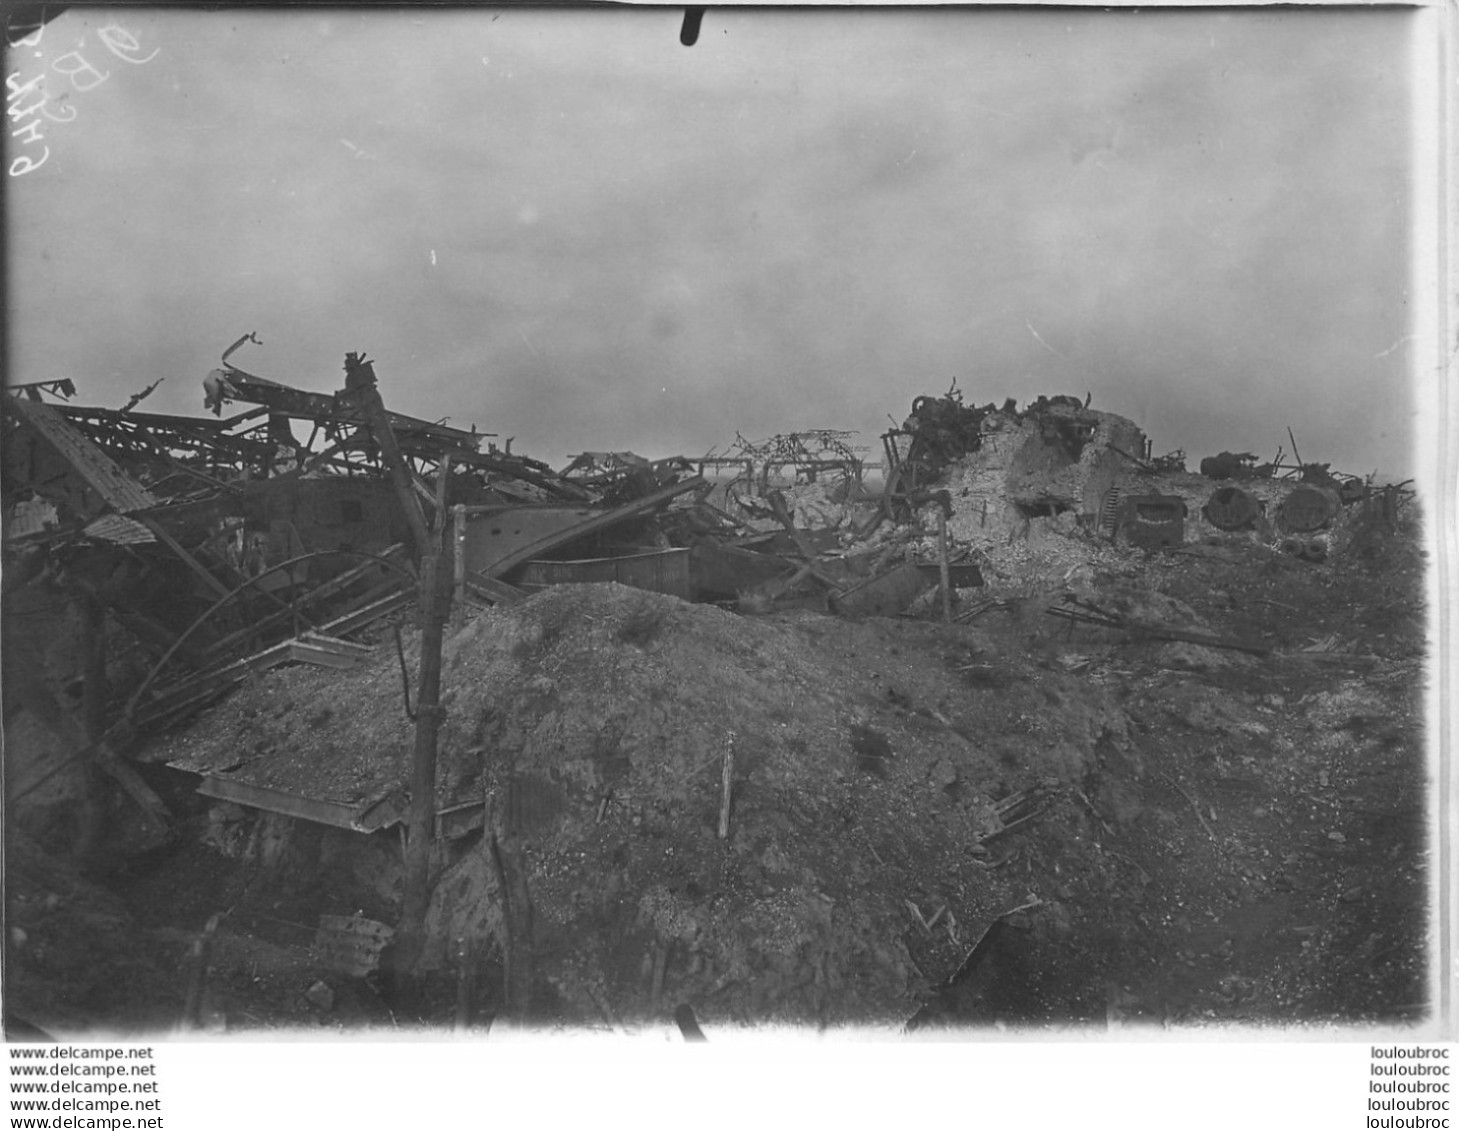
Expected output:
(216, 587)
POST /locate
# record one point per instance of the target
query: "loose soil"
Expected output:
(1014, 822)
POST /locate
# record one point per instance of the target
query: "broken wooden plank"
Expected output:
(491, 589)
(337, 645)
(802, 543)
(369, 614)
(972, 612)
(320, 655)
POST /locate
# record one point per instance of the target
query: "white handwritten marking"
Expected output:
(80, 67)
(123, 44)
(30, 132)
(69, 117)
(83, 76)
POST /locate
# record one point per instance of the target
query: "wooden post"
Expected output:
(727, 787)
(361, 388)
(199, 954)
(434, 609)
(943, 567)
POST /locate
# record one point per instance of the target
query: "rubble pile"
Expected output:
(1074, 710)
(1054, 493)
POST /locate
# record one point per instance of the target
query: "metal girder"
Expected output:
(298, 404)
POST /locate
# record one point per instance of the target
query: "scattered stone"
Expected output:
(319, 994)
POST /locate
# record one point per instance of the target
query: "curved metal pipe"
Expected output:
(223, 600)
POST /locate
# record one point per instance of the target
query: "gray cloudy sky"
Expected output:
(568, 228)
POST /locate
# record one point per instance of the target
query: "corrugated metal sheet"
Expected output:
(659, 571)
(116, 528)
(94, 466)
(30, 516)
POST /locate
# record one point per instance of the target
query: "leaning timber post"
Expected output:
(434, 609)
(361, 388)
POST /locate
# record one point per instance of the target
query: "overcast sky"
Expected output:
(569, 228)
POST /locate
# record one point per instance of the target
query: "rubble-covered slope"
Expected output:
(1211, 836)
(865, 775)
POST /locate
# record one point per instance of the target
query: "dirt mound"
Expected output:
(603, 716)
(1211, 836)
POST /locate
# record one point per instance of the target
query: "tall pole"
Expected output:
(434, 606)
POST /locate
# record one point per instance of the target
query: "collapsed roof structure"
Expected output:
(196, 553)
(221, 546)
